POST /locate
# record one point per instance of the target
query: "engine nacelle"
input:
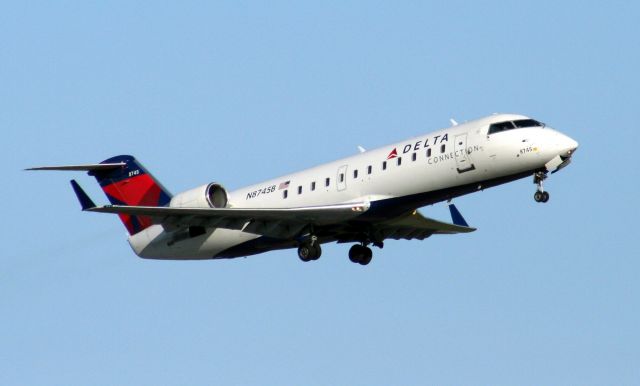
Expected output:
(212, 195)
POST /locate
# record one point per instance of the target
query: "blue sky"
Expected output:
(238, 92)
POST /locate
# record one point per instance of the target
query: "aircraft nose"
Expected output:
(567, 145)
(572, 144)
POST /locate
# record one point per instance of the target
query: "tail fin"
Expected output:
(131, 184)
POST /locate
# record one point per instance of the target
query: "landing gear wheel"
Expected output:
(545, 196)
(355, 252)
(317, 251)
(541, 196)
(366, 257)
(360, 254)
(305, 252)
(308, 252)
(538, 196)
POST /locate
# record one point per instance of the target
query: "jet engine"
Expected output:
(212, 195)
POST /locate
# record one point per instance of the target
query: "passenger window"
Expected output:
(313, 186)
(299, 189)
(442, 147)
(369, 169)
(285, 193)
(428, 152)
(327, 181)
(413, 156)
(355, 173)
(384, 165)
(399, 161)
(341, 177)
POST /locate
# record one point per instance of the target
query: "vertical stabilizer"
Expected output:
(131, 184)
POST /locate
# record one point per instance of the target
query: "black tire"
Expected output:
(355, 253)
(545, 196)
(305, 253)
(538, 195)
(367, 255)
(317, 251)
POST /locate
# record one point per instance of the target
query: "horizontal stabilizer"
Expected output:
(85, 200)
(124, 181)
(83, 168)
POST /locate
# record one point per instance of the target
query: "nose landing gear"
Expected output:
(540, 194)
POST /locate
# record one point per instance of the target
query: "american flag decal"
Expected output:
(283, 185)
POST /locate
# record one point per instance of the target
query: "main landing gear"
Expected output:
(310, 250)
(540, 194)
(360, 254)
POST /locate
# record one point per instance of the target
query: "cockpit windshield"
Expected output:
(521, 123)
(509, 125)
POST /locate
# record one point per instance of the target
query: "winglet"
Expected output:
(456, 217)
(84, 199)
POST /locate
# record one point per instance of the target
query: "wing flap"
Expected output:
(276, 222)
(417, 226)
(328, 213)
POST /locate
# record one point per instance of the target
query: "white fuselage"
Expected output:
(443, 161)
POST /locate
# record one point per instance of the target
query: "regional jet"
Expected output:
(361, 200)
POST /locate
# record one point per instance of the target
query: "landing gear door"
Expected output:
(463, 162)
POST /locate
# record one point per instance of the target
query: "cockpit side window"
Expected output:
(501, 126)
(521, 123)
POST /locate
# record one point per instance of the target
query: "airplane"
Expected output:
(363, 199)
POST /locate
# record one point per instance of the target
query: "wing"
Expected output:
(274, 222)
(335, 220)
(416, 226)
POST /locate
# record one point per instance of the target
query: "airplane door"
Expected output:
(342, 178)
(463, 162)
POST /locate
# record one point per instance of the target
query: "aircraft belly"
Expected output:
(155, 244)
